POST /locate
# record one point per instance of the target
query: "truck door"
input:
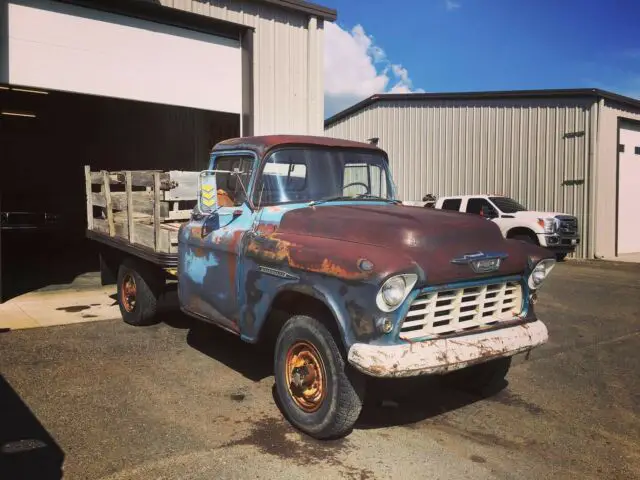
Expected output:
(210, 247)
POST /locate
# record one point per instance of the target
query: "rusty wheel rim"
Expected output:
(129, 291)
(305, 375)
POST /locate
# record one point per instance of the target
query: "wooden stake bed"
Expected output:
(141, 209)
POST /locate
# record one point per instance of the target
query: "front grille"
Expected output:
(568, 226)
(443, 312)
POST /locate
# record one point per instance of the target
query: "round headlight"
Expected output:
(393, 291)
(540, 273)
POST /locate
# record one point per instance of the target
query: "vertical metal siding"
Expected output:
(287, 63)
(536, 151)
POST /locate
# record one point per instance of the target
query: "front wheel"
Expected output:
(560, 257)
(482, 378)
(316, 389)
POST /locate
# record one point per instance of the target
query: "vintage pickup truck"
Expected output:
(301, 240)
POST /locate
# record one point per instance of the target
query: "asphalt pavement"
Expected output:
(183, 400)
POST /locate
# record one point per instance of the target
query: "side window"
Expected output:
(283, 180)
(357, 176)
(232, 188)
(452, 204)
(480, 206)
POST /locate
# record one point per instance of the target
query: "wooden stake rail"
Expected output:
(143, 207)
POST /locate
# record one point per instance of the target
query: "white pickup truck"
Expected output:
(556, 231)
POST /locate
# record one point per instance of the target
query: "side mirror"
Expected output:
(207, 192)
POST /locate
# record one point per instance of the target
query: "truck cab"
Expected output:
(555, 231)
(301, 243)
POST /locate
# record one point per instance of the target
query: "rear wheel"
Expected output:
(482, 378)
(317, 390)
(139, 288)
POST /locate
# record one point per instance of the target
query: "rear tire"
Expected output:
(139, 288)
(324, 408)
(481, 378)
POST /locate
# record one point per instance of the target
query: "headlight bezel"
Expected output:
(544, 266)
(409, 280)
(548, 225)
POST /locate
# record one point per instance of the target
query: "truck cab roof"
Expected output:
(262, 144)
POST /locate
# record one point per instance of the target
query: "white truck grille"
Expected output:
(449, 311)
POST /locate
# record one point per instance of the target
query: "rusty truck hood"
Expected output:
(430, 238)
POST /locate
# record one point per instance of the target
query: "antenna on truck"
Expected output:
(373, 141)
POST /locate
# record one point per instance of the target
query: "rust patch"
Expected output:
(199, 252)
(196, 231)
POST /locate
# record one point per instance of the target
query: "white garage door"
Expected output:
(74, 49)
(629, 190)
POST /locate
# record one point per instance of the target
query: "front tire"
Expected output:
(560, 257)
(139, 288)
(523, 237)
(316, 388)
(482, 378)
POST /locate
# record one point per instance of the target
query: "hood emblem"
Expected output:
(481, 262)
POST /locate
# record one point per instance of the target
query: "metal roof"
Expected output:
(325, 13)
(517, 94)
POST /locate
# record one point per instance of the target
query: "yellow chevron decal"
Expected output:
(207, 188)
(208, 203)
(208, 196)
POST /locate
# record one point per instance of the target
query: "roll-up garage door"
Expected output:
(628, 188)
(69, 48)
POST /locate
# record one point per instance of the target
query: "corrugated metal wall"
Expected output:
(536, 151)
(288, 62)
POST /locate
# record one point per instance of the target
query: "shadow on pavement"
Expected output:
(394, 402)
(27, 451)
(249, 360)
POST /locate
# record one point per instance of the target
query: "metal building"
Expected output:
(575, 151)
(135, 85)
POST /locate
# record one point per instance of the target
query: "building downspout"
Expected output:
(596, 112)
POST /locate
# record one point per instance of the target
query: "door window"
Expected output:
(232, 188)
(480, 206)
(452, 204)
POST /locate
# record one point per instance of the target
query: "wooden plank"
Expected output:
(130, 206)
(89, 195)
(184, 186)
(142, 203)
(156, 208)
(107, 195)
(139, 178)
(145, 235)
(97, 178)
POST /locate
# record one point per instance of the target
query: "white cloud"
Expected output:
(356, 68)
(452, 5)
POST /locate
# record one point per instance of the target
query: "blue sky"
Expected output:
(470, 45)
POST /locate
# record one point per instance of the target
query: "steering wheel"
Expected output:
(358, 183)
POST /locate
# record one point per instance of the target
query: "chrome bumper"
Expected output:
(447, 354)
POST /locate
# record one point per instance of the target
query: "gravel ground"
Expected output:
(188, 401)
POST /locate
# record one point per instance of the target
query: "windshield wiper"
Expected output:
(352, 197)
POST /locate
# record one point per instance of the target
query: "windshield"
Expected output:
(507, 205)
(316, 174)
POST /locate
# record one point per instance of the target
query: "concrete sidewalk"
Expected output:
(60, 307)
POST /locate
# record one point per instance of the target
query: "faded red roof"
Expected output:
(264, 143)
